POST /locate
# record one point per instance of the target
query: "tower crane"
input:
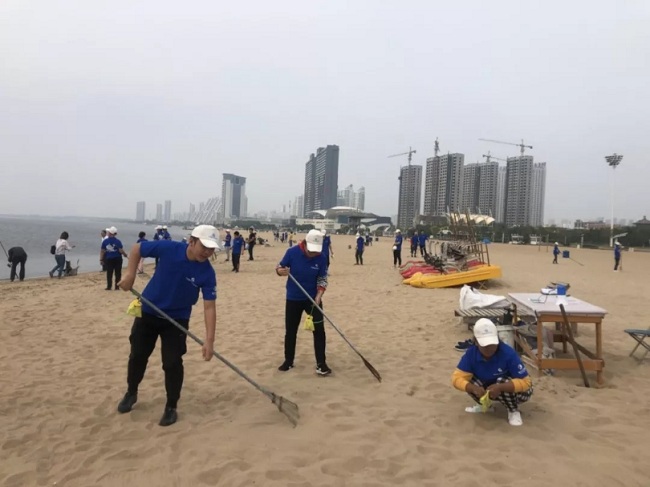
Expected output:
(409, 153)
(521, 146)
(489, 156)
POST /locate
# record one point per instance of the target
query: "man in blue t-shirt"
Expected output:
(556, 252)
(227, 244)
(617, 256)
(238, 245)
(327, 248)
(414, 244)
(422, 240)
(492, 367)
(358, 253)
(110, 257)
(183, 270)
(397, 248)
(307, 265)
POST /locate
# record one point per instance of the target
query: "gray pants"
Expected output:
(227, 250)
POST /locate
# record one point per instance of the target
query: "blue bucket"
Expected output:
(565, 254)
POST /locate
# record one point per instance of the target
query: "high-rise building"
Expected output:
(360, 199)
(167, 216)
(469, 192)
(299, 206)
(322, 179)
(519, 175)
(233, 196)
(140, 211)
(192, 213)
(410, 187)
(159, 213)
(487, 188)
(499, 214)
(443, 186)
(537, 193)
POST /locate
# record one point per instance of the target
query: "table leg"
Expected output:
(599, 351)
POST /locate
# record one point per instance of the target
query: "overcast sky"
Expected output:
(103, 104)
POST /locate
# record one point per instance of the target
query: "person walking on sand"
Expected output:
(328, 250)
(307, 265)
(238, 245)
(15, 256)
(60, 248)
(493, 367)
(104, 237)
(141, 238)
(174, 288)
(252, 236)
(414, 244)
(617, 256)
(397, 248)
(422, 241)
(358, 254)
(227, 244)
(111, 256)
(556, 252)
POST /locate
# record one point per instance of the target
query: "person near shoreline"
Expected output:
(141, 238)
(184, 270)
(111, 256)
(15, 256)
(104, 237)
(60, 248)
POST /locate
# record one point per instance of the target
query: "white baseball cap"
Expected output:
(398, 231)
(485, 332)
(112, 230)
(158, 227)
(208, 235)
(557, 243)
(314, 241)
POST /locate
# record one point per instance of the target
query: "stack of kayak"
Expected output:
(421, 274)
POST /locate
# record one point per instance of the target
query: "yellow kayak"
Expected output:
(476, 274)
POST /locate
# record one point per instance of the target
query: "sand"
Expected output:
(65, 347)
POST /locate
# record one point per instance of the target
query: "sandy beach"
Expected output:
(65, 349)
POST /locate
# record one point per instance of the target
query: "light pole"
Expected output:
(613, 161)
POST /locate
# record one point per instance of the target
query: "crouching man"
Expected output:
(493, 367)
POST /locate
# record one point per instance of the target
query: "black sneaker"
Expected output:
(285, 366)
(127, 402)
(462, 346)
(169, 417)
(323, 369)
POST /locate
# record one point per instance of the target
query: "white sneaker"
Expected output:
(514, 418)
(478, 409)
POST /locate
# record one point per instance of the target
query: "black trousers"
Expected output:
(113, 265)
(292, 315)
(617, 261)
(397, 257)
(235, 262)
(423, 250)
(358, 255)
(250, 251)
(144, 333)
(14, 264)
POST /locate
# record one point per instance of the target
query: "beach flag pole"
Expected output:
(372, 370)
(286, 407)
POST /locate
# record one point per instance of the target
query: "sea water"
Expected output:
(37, 234)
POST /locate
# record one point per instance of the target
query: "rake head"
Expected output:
(372, 370)
(288, 408)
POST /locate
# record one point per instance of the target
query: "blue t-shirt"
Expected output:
(306, 271)
(505, 363)
(112, 246)
(556, 250)
(227, 240)
(360, 243)
(617, 252)
(158, 235)
(141, 240)
(398, 242)
(423, 239)
(414, 241)
(237, 245)
(326, 245)
(174, 287)
(166, 235)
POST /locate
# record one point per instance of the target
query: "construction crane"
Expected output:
(521, 146)
(489, 156)
(409, 153)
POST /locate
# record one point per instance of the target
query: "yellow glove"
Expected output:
(135, 308)
(486, 402)
(309, 323)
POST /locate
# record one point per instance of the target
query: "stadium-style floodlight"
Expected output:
(613, 161)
